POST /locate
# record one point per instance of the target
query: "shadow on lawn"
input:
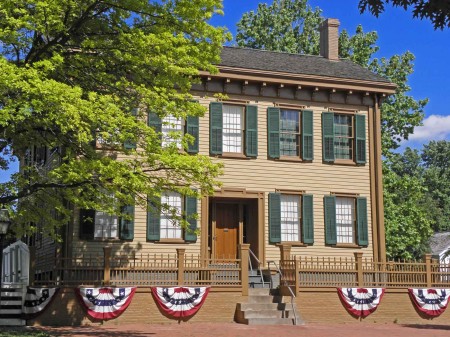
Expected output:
(427, 326)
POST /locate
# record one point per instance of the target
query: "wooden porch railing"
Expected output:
(360, 272)
(143, 270)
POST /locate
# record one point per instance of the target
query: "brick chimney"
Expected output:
(329, 34)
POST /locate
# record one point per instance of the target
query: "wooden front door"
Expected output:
(226, 231)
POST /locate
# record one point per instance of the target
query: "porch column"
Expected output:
(107, 265)
(359, 269)
(244, 254)
(285, 251)
(427, 258)
(180, 265)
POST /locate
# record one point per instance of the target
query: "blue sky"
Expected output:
(397, 32)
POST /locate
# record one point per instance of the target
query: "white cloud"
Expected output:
(435, 127)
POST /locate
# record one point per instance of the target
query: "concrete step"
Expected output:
(268, 314)
(258, 291)
(270, 321)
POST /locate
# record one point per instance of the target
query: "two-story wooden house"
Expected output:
(299, 138)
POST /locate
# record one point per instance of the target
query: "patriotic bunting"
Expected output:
(36, 300)
(180, 301)
(105, 303)
(432, 302)
(361, 301)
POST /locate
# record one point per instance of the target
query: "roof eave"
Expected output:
(304, 80)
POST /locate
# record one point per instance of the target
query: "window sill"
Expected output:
(166, 241)
(234, 156)
(344, 162)
(292, 244)
(347, 245)
(288, 158)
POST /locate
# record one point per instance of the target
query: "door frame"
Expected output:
(232, 193)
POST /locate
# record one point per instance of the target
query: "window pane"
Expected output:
(345, 220)
(170, 228)
(232, 128)
(289, 133)
(105, 226)
(343, 136)
(290, 217)
(170, 125)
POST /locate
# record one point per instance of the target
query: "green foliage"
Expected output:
(9, 332)
(74, 72)
(287, 26)
(437, 11)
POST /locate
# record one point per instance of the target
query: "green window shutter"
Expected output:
(328, 136)
(273, 132)
(131, 144)
(192, 128)
(251, 131)
(274, 217)
(87, 224)
(360, 138)
(307, 219)
(361, 220)
(126, 229)
(307, 135)
(155, 122)
(191, 211)
(153, 222)
(329, 203)
(215, 128)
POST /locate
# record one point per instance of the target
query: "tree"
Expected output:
(73, 72)
(437, 180)
(400, 113)
(437, 11)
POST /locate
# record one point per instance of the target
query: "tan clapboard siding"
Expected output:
(265, 175)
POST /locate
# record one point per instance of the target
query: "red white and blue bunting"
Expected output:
(432, 302)
(36, 300)
(180, 302)
(361, 302)
(105, 303)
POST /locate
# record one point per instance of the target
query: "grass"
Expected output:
(14, 332)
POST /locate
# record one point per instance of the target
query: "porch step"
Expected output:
(11, 307)
(255, 280)
(266, 307)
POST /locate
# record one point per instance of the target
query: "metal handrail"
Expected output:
(285, 283)
(259, 265)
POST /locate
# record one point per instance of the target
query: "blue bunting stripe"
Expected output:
(105, 303)
(36, 300)
(361, 302)
(432, 302)
(180, 301)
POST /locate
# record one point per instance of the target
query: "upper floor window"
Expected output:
(291, 217)
(290, 133)
(169, 126)
(163, 218)
(344, 137)
(233, 129)
(346, 220)
(106, 226)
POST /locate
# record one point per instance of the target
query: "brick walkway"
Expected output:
(239, 330)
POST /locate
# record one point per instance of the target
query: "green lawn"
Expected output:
(5, 332)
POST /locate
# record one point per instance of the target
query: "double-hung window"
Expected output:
(346, 220)
(172, 129)
(344, 137)
(233, 129)
(163, 218)
(291, 217)
(99, 225)
(290, 133)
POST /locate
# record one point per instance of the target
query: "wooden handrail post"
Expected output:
(427, 258)
(297, 277)
(32, 267)
(244, 254)
(359, 269)
(107, 265)
(285, 251)
(180, 265)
